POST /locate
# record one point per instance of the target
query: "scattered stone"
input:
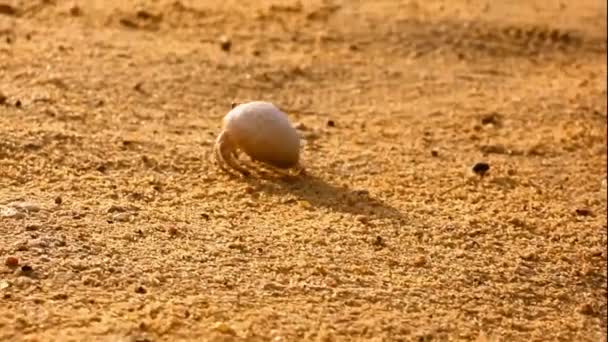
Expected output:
(121, 209)
(584, 212)
(32, 227)
(4, 284)
(26, 206)
(18, 103)
(420, 261)
(435, 152)
(363, 219)
(3, 99)
(11, 261)
(39, 243)
(481, 168)
(529, 256)
(27, 269)
(586, 309)
(305, 204)
(493, 118)
(60, 296)
(7, 9)
(224, 328)
(272, 286)
(140, 290)
(122, 217)
(58, 200)
(225, 43)
(495, 149)
(128, 23)
(11, 212)
(172, 231)
(20, 246)
(145, 15)
(379, 242)
(138, 87)
(18, 209)
(300, 126)
(331, 123)
(75, 11)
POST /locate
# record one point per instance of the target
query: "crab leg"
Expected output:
(224, 150)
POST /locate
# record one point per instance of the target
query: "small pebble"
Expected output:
(305, 204)
(75, 11)
(363, 219)
(481, 168)
(18, 103)
(583, 212)
(3, 99)
(7, 9)
(224, 328)
(60, 296)
(26, 268)
(11, 262)
(331, 123)
(420, 261)
(586, 309)
(491, 119)
(140, 290)
(32, 227)
(379, 242)
(225, 43)
(434, 153)
(122, 217)
(58, 200)
(11, 212)
(25, 206)
(172, 231)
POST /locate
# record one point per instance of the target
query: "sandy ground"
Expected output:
(124, 228)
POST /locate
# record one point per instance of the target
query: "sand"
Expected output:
(124, 228)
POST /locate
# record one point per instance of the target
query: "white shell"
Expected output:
(264, 133)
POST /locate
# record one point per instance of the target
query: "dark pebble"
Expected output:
(491, 119)
(331, 123)
(140, 290)
(379, 242)
(26, 268)
(75, 11)
(481, 168)
(11, 262)
(583, 212)
(225, 44)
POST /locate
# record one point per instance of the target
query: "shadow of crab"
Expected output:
(320, 193)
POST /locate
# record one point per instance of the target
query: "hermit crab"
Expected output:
(263, 132)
